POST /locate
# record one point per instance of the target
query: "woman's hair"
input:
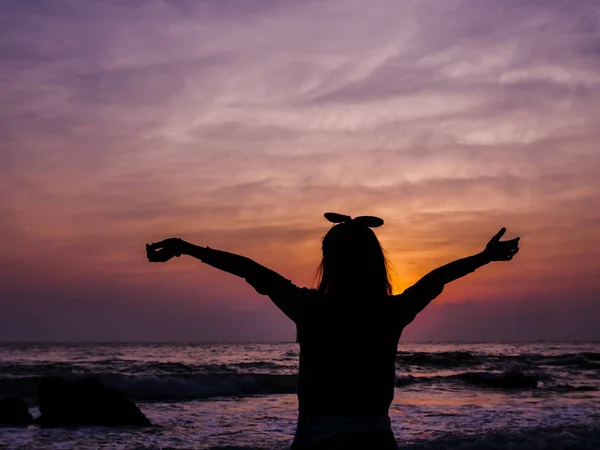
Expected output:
(353, 262)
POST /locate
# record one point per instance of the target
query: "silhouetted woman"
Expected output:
(348, 328)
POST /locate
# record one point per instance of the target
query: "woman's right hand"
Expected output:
(164, 250)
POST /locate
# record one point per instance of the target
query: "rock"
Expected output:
(14, 412)
(86, 402)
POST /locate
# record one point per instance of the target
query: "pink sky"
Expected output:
(238, 124)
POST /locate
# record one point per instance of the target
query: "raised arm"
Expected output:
(266, 282)
(417, 297)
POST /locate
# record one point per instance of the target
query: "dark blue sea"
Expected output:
(205, 396)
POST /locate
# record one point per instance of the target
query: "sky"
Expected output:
(236, 124)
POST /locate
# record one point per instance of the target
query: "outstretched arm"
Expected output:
(228, 262)
(266, 282)
(432, 284)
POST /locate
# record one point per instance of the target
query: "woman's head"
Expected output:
(353, 260)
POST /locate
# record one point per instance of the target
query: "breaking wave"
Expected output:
(585, 360)
(172, 388)
(513, 377)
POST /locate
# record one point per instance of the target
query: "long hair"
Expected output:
(353, 262)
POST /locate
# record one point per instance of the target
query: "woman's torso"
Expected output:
(347, 362)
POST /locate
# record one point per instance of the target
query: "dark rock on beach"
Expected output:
(87, 402)
(14, 412)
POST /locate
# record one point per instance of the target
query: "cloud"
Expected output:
(237, 126)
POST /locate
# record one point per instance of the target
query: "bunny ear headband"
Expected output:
(367, 221)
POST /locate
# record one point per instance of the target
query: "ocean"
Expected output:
(541, 395)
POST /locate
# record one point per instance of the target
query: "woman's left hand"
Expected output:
(497, 250)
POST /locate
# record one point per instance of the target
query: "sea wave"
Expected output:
(585, 360)
(201, 386)
(204, 386)
(456, 360)
(137, 368)
(170, 388)
(576, 360)
(512, 377)
(446, 359)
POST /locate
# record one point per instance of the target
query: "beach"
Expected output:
(206, 396)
